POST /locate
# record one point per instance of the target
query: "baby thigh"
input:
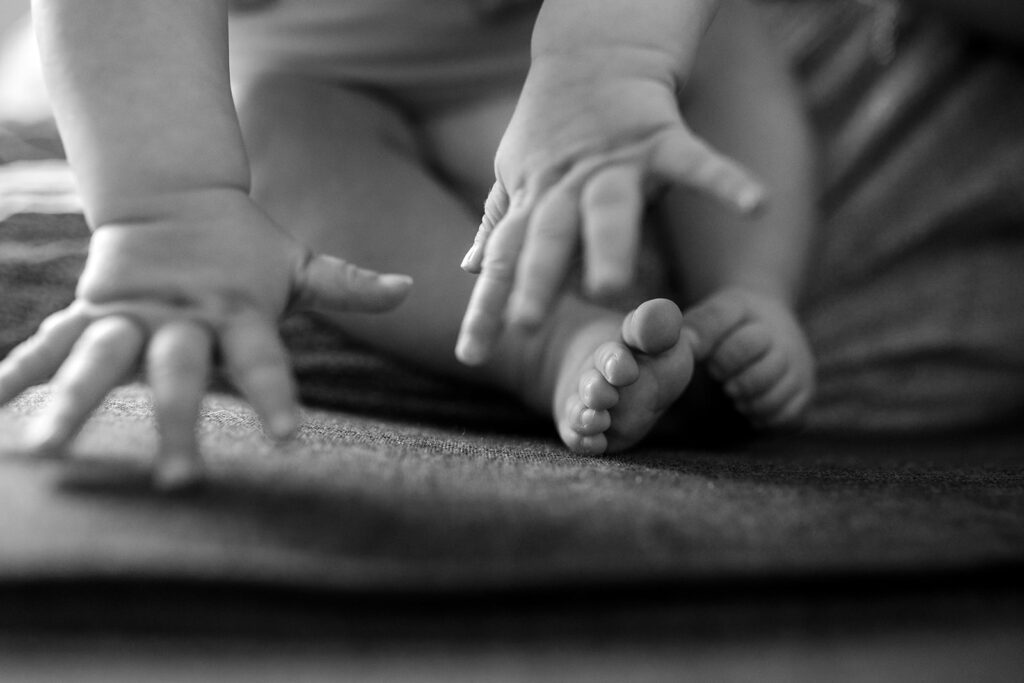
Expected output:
(744, 102)
(343, 171)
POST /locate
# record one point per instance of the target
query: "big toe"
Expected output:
(653, 327)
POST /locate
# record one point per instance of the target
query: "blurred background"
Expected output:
(11, 10)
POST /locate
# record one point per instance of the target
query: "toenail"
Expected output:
(587, 417)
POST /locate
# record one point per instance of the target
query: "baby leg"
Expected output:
(345, 173)
(741, 275)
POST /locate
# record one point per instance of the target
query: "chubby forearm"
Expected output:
(663, 32)
(142, 97)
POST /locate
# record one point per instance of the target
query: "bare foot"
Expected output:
(617, 378)
(754, 346)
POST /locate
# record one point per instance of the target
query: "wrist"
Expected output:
(670, 29)
(594, 64)
(148, 204)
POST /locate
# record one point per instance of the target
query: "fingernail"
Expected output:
(469, 259)
(395, 280)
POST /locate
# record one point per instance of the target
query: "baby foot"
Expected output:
(617, 379)
(754, 346)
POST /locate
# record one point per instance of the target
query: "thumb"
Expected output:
(330, 283)
(681, 157)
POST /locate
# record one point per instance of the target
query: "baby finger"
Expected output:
(105, 354)
(680, 157)
(612, 204)
(484, 318)
(552, 237)
(178, 370)
(258, 365)
(38, 357)
(494, 210)
(331, 283)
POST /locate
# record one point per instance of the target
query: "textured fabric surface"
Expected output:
(912, 302)
(358, 503)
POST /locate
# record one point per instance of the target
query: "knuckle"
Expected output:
(356, 277)
(498, 269)
(53, 321)
(496, 205)
(608, 191)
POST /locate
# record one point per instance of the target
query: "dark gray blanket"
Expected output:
(359, 504)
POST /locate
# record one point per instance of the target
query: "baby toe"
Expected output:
(584, 420)
(713, 319)
(759, 377)
(653, 327)
(594, 444)
(591, 444)
(616, 364)
(744, 346)
(596, 392)
(777, 406)
(792, 413)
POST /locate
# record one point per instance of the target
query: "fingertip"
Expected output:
(470, 351)
(398, 287)
(471, 262)
(44, 439)
(751, 199)
(283, 425)
(396, 281)
(331, 283)
(178, 473)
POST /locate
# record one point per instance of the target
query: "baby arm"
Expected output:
(597, 129)
(181, 261)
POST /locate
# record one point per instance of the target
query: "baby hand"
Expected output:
(592, 137)
(212, 275)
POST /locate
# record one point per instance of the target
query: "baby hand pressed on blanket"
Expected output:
(212, 276)
(597, 130)
(183, 266)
